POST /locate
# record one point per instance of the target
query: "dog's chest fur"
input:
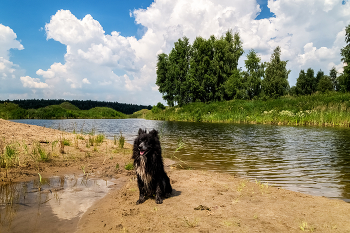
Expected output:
(141, 171)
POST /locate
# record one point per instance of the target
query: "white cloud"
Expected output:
(310, 34)
(8, 41)
(86, 81)
(33, 82)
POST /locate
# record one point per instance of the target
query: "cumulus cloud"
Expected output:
(32, 82)
(8, 41)
(310, 34)
(10, 85)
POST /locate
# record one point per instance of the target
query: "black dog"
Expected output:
(148, 164)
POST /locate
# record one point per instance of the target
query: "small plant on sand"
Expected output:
(80, 137)
(9, 156)
(87, 142)
(62, 146)
(121, 140)
(43, 155)
(129, 166)
(190, 223)
(99, 139)
(117, 166)
(76, 143)
(53, 144)
(66, 142)
(227, 223)
(305, 227)
(115, 140)
(83, 169)
(241, 186)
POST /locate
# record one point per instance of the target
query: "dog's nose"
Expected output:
(141, 146)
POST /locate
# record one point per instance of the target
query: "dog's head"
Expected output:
(145, 142)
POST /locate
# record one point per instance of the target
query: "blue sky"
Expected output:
(106, 50)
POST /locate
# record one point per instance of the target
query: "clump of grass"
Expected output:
(190, 223)
(80, 137)
(87, 142)
(117, 166)
(43, 155)
(9, 155)
(99, 139)
(53, 144)
(129, 166)
(121, 140)
(115, 140)
(63, 142)
(66, 142)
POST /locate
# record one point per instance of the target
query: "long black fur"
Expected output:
(149, 167)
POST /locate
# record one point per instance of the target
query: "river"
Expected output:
(313, 160)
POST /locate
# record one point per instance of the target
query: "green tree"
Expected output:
(200, 79)
(178, 69)
(164, 81)
(318, 77)
(252, 77)
(306, 82)
(234, 86)
(227, 51)
(333, 76)
(275, 82)
(325, 84)
(344, 79)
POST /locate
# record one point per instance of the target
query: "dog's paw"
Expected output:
(140, 201)
(159, 200)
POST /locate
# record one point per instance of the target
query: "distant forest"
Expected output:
(81, 104)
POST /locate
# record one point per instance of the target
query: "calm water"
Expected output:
(305, 159)
(53, 205)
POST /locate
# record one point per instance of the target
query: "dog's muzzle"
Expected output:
(142, 148)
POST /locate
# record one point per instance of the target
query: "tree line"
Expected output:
(208, 71)
(81, 104)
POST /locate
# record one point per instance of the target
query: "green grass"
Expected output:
(331, 109)
(121, 140)
(129, 166)
(8, 155)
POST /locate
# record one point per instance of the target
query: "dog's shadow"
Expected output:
(175, 193)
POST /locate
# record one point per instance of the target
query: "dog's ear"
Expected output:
(141, 131)
(154, 133)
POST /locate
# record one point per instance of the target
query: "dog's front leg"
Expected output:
(141, 190)
(158, 195)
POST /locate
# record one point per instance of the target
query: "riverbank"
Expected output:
(64, 110)
(201, 202)
(330, 109)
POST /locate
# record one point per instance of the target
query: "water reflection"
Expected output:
(52, 205)
(305, 159)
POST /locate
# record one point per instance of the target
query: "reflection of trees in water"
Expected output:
(342, 145)
(18, 196)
